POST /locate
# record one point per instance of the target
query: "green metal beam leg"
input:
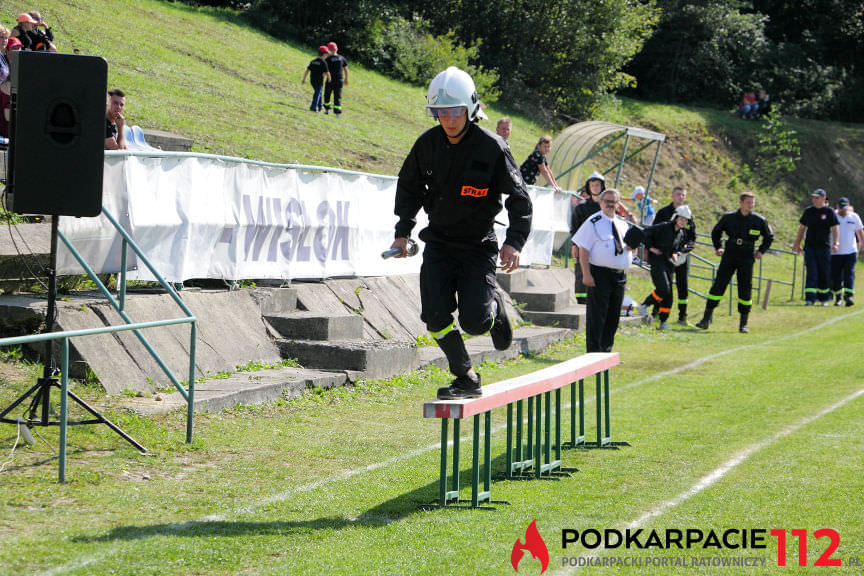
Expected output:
(519, 452)
(475, 465)
(581, 411)
(599, 402)
(558, 424)
(509, 473)
(456, 437)
(547, 449)
(442, 487)
(606, 393)
(538, 453)
(487, 454)
(529, 450)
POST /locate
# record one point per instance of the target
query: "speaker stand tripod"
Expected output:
(39, 411)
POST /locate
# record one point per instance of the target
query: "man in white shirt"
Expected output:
(604, 258)
(851, 241)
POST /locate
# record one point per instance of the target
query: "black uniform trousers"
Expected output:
(581, 291)
(334, 90)
(454, 277)
(739, 263)
(682, 277)
(604, 308)
(843, 274)
(816, 284)
(661, 277)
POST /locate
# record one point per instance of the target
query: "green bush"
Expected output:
(407, 50)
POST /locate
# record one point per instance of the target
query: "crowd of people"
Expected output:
(327, 74)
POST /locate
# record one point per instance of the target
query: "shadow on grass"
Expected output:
(385, 513)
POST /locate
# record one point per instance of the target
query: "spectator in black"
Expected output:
(594, 186)
(319, 70)
(536, 164)
(30, 36)
(338, 67)
(823, 238)
(44, 37)
(115, 122)
(504, 127)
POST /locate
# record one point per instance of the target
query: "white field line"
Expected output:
(718, 473)
(286, 494)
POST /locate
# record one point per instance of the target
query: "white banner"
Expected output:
(201, 216)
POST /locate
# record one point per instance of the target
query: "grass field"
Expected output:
(728, 431)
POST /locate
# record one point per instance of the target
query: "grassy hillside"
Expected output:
(204, 74)
(207, 75)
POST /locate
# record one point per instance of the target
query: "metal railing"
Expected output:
(187, 393)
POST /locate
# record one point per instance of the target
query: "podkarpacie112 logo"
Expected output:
(534, 544)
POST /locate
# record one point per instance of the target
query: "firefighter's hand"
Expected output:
(796, 248)
(574, 250)
(588, 280)
(509, 258)
(402, 244)
(718, 251)
(757, 255)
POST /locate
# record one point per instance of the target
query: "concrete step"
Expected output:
(516, 280)
(572, 317)
(375, 358)
(543, 299)
(241, 388)
(275, 300)
(307, 325)
(526, 340)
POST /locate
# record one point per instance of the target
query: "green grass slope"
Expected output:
(205, 74)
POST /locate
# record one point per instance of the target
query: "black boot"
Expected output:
(501, 331)
(462, 387)
(706, 319)
(742, 323)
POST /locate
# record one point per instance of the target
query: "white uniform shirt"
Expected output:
(595, 235)
(847, 226)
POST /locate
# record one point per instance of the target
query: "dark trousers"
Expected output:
(661, 276)
(682, 277)
(816, 284)
(316, 97)
(581, 291)
(452, 278)
(334, 90)
(742, 266)
(843, 274)
(604, 308)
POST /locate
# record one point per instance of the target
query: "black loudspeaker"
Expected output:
(57, 133)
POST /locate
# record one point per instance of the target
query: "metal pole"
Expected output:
(442, 484)
(621, 161)
(122, 282)
(653, 166)
(190, 393)
(64, 389)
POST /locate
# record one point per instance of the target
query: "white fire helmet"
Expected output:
(451, 88)
(684, 212)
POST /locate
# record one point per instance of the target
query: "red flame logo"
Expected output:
(533, 543)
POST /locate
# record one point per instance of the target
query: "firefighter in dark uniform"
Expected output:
(594, 186)
(459, 173)
(744, 227)
(682, 263)
(664, 242)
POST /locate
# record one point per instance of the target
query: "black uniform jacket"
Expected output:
(581, 213)
(666, 214)
(743, 231)
(461, 187)
(665, 238)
